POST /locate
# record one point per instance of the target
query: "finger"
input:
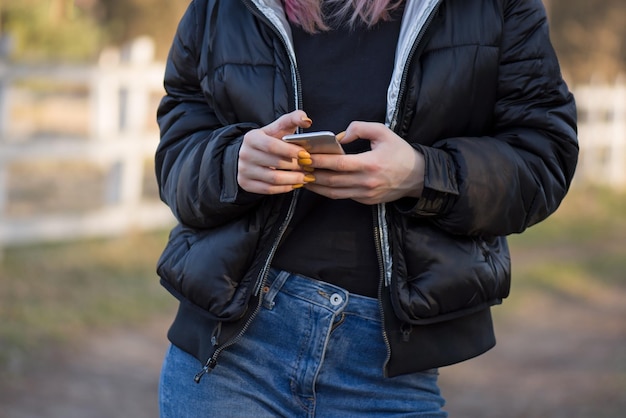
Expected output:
(355, 180)
(288, 123)
(268, 181)
(262, 149)
(371, 131)
(260, 187)
(343, 137)
(279, 177)
(338, 163)
(260, 154)
(304, 158)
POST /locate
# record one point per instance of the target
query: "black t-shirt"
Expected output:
(345, 74)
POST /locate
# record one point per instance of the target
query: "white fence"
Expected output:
(119, 138)
(602, 133)
(119, 135)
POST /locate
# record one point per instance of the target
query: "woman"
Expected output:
(336, 285)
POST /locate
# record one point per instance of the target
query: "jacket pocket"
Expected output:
(439, 276)
(210, 268)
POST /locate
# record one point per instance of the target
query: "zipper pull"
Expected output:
(208, 368)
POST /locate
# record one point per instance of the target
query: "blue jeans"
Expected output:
(314, 350)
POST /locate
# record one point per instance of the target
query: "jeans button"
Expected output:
(336, 299)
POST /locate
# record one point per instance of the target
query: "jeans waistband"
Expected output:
(320, 293)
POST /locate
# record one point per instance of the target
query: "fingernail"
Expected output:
(305, 161)
(304, 155)
(307, 120)
(340, 136)
(297, 186)
(308, 169)
(309, 178)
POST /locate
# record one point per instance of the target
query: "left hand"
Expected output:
(390, 170)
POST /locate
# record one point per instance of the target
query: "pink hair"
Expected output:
(308, 13)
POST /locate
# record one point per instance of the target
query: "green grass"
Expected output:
(586, 217)
(578, 253)
(49, 294)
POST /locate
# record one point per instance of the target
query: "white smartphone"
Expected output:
(323, 142)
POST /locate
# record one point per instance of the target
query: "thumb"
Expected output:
(287, 124)
(370, 131)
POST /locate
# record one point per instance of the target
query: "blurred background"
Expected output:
(82, 315)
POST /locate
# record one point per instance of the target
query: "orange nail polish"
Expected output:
(305, 161)
(307, 120)
(309, 178)
(297, 186)
(308, 169)
(340, 136)
(304, 155)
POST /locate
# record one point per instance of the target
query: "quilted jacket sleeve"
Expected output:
(504, 183)
(196, 160)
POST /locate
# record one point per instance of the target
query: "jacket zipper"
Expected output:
(380, 229)
(262, 278)
(382, 265)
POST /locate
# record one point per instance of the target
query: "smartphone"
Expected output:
(323, 142)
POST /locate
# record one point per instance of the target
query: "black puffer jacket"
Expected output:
(477, 89)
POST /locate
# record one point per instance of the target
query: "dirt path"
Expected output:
(111, 375)
(558, 357)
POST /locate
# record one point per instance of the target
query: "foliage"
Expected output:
(124, 20)
(49, 30)
(79, 29)
(590, 37)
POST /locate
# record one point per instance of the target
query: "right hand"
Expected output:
(269, 165)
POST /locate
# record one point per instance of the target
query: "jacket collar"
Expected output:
(417, 14)
(273, 10)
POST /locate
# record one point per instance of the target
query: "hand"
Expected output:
(391, 170)
(267, 164)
